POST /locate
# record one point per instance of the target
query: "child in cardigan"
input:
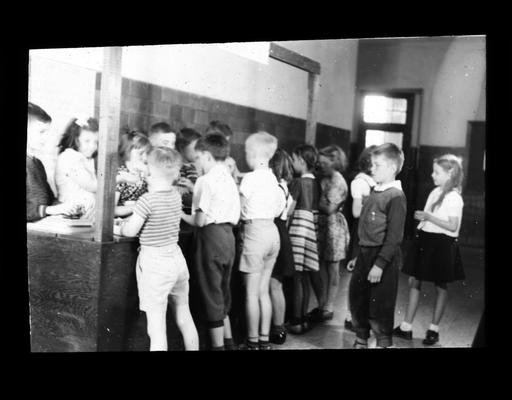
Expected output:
(40, 197)
(374, 284)
(303, 232)
(436, 258)
(161, 268)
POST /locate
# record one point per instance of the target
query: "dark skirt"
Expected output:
(434, 257)
(284, 266)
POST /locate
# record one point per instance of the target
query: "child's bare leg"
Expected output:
(252, 305)
(333, 281)
(217, 336)
(227, 328)
(187, 327)
(278, 302)
(265, 303)
(414, 298)
(157, 329)
(317, 282)
(442, 297)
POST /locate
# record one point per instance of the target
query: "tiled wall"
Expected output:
(143, 104)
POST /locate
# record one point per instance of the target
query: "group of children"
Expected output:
(183, 195)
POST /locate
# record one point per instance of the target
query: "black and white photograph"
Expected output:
(319, 194)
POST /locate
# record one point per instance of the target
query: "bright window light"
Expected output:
(376, 137)
(386, 110)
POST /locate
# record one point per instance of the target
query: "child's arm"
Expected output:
(357, 206)
(198, 219)
(451, 225)
(394, 234)
(131, 227)
(80, 175)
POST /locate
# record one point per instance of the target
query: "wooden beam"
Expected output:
(295, 59)
(110, 104)
(313, 87)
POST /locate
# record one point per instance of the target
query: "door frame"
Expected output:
(409, 173)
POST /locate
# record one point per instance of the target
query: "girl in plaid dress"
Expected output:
(303, 231)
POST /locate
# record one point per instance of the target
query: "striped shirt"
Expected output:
(162, 212)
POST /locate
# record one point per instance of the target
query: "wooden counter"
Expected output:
(79, 291)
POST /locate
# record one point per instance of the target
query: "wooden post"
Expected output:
(110, 104)
(313, 87)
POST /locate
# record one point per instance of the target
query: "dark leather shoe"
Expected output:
(277, 336)
(431, 338)
(398, 332)
(349, 326)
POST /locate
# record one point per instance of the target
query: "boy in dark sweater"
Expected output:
(374, 284)
(40, 197)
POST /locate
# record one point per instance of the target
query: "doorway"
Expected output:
(387, 116)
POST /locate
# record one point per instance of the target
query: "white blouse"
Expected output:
(451, 206)
(70, 163)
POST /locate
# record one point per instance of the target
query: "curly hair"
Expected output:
(72, 133)
(129, 141)
(336, 155)
(281, 165)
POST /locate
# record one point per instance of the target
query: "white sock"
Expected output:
(348, 316)
(434, 328)
(405, 326)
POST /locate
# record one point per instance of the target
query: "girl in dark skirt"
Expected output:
(281, 165)
(435, 255)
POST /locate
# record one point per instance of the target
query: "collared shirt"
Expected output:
(451, 206)
(380, 187)
(261, 196)
(216, 195)
(361, 185)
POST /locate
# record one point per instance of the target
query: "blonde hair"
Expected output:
(164, 159)
(336, 155)
(263, 143)
(452, 164)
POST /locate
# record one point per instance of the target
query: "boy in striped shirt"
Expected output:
(161, 268)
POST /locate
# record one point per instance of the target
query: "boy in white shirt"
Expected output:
(215, 210)
(261, 202)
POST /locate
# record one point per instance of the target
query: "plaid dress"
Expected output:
(303, 228)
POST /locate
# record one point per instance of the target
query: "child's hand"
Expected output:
(186, 183)
(375, 274)
(117, 230)
(63, 208)
(127, 177)
(421, 215)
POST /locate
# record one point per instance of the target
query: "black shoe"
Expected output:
(432, 337)
(277, 335)
(398, 332)
(248, 345)
(349, 326)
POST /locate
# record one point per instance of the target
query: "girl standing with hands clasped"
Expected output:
(75, 173)
(436, 257)
(303, 232)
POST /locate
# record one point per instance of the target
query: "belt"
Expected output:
(252, 221)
